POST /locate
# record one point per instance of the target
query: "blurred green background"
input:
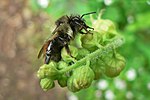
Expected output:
(25, 24)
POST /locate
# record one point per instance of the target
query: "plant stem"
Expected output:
(115, 43)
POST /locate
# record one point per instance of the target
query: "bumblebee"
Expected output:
(66, 29)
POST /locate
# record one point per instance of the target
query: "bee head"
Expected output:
(77, 22)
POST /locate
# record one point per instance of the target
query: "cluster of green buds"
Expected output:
(94, 55)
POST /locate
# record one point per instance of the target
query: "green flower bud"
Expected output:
(105, 30)
(82, 78)
(103, 25)
(62, 65)
(66, 57)
(77, 41)
(114, 65)
(97, 65)
(62, 81)
(89, 41)
(82, 53)
(71, 85)
(47, 84)
(49, 71)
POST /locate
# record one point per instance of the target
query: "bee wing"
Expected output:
(43, 49)
(70, 32)
(55, 33)
(45, 46)
(40, 52)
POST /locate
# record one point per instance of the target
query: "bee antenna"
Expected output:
(88, 14)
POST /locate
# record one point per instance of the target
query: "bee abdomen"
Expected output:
(47, 56)
(47, 59)
(48, 53)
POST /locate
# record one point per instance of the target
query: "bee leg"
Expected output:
(89, 27)
(68, 51)
(87, 31)
(82, 32)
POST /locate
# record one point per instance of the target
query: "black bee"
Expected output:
(66, 29)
